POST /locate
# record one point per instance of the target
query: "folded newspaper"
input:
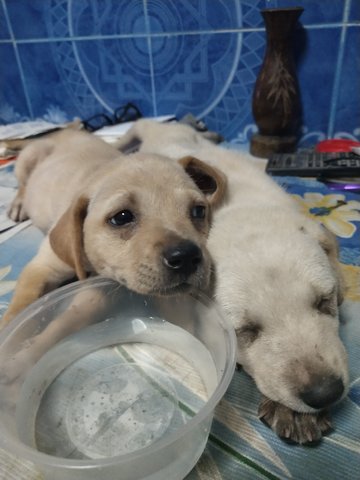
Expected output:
(18, 131)
(21, 130)
(8, 187)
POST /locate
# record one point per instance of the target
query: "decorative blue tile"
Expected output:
(117, 71)
(191, 71)
(68, 79)
(316, 73)
(48, 91)
(250, 13)
(232, 114)
(354, 11)
(348, 102)
(13, 107)
(315, 12)
(211, 76)
(4, 31)
(38, 18)
(107, 17)
(193, 15)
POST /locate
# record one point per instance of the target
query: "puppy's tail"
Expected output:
(133, 138)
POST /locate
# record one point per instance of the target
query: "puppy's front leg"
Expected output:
(44, 273)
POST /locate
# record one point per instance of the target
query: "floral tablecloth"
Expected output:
(240, 446)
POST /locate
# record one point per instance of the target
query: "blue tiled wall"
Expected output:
(66, 58)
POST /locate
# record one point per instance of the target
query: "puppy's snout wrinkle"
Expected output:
(184, 258)
(323, 392)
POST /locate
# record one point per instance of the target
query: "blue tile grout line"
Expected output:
(18, 60)
(151, 60)
(166, 34)
(338, 70)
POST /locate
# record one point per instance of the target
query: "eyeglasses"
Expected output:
(127, 113)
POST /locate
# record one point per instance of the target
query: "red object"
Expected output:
(336, 145)
(4, 161)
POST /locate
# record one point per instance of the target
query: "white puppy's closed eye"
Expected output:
(248, 333)
(326, 303)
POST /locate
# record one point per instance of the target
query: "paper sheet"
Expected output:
(26, 129)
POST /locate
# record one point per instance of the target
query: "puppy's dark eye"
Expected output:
(198, 212)
(121, 218)
(326, 305)
(248, 333)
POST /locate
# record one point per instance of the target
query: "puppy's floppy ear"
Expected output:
(66, 237)
(209, 180)
(329, 244)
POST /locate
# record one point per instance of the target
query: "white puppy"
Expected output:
(278, 280)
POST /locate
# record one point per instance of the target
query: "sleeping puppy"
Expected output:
(140, 220)
(277, 279)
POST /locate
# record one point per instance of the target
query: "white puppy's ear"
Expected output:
(66, 237)
(209, 180)
(329, 244)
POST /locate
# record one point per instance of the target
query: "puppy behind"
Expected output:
(140, 220)
(278, 280)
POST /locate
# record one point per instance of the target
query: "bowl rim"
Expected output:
(43, 459)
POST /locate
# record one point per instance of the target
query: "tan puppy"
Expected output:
(140, 220)
(279, 282)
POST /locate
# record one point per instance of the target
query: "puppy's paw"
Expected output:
(16, 210)
(294, 427)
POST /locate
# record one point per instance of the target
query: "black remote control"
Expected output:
(315, 164)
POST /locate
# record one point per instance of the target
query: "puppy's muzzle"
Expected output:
(183, 259)
(323, 392)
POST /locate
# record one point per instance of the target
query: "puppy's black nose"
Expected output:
(323, 392)
(184, 258)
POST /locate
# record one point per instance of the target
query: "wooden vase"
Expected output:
(276, 102)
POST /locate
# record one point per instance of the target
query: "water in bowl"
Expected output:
(114, 388)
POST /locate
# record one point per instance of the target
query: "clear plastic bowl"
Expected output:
(97, 382)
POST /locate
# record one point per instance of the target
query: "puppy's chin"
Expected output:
(163, 290)
(160, 285)
(180, 288)
(172, 290)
